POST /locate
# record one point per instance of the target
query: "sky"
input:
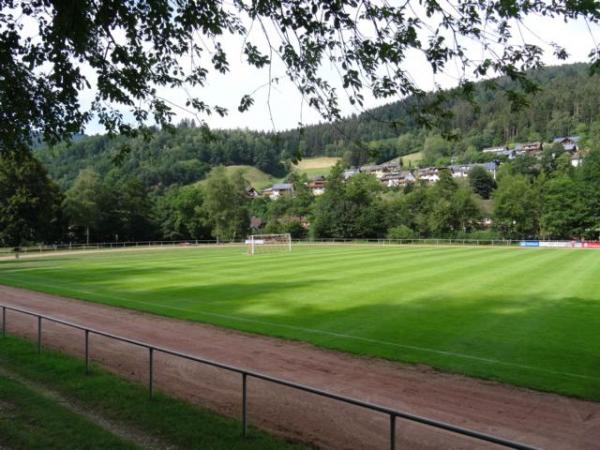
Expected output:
(284, 109)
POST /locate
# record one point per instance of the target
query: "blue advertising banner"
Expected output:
(530, 243)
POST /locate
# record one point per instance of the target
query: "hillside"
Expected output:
(315, 166)
(255, 177)
(568, 103)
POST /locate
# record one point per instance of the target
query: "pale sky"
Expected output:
(285, 102)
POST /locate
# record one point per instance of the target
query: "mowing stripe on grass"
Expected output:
(358, 338)
(487, 312)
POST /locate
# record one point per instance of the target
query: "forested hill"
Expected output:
(569, 103)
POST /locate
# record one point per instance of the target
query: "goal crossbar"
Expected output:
(266, 242)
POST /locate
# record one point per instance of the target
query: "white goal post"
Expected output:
(263, 243)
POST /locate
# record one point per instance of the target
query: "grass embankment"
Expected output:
(29, 420)
(411, 160)
(255, 177)
(522, 316)
(313, 167)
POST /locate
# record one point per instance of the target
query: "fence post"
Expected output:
(150, 372)
(4, 321)
(392, 432)
(39, 334)
(244, 404)
(87, 351)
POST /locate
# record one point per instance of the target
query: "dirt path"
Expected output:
(543, 420)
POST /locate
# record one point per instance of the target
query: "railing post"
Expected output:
(150, 371)
(87, 351)
(4, 321)
(244, 404)
(39, 343)
(392, 432)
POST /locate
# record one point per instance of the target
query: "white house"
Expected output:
(350, 173)
(398, 179)
(462, 171)
(317, 185)
(429, 175)
(569, 143)
(577, 159)
(279, 190)
(380, 170)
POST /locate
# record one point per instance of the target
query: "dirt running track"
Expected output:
(543, 420)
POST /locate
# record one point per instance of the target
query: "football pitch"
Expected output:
(529, 317)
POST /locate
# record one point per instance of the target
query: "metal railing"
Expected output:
(246, 374)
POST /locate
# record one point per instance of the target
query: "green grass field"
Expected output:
(529, 317)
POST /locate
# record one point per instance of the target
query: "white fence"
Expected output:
(302, 242)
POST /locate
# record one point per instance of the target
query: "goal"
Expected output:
(265, 243)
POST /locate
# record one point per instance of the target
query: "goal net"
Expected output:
(265, 243)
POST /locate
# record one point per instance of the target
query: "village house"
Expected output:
(577, 158)
(349, 173)
(429, 174)
(252, 193)
(569, 143)
(500, 151)
(398, 179)
(529, 148)
(380, 170)
(317, 185)
(279, 190)
(462, 171)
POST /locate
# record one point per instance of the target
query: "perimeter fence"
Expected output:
(45, 248)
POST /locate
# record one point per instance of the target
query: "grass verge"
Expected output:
(166, 419)
(30, 421)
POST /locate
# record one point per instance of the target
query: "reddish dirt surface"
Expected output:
(538, 419)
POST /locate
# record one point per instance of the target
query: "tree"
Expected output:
(135, 48)
(132, 211)
(349, 209)
(517, 207)
(551, 156)
(180, 215)
(81, 202)
(29, 201)
(451, 208)
(589, 177)
(226, 204)
(564, 211)
(482, 182)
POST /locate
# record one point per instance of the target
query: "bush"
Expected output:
(401, 232)
(479, 234)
